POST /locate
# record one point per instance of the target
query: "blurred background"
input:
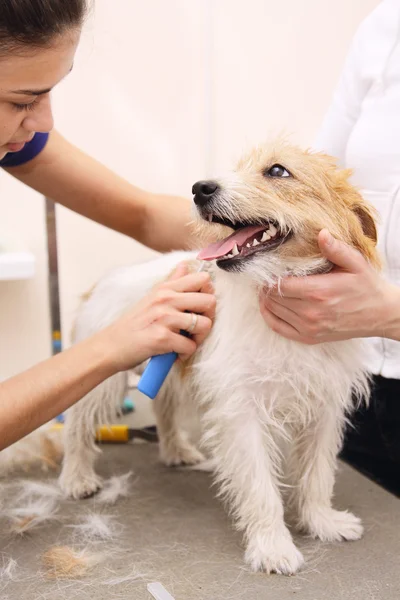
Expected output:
(166, 92)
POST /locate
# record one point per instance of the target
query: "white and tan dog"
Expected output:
(256, 392)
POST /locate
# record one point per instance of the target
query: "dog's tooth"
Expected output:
(248, 245)
(255, 242)
(229, 256)
(235, 250)
(265, 237)
(210, 218)
(272, 230)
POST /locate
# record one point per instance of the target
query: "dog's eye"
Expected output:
(276, 171)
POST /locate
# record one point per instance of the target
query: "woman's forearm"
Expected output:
(36, 396)
(150, 328)
(72, 178)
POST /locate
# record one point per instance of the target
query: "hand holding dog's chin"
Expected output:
(351, 301)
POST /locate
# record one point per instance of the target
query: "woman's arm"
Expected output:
(36, 396)
(70, 177)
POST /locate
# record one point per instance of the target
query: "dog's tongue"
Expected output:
(239, 237)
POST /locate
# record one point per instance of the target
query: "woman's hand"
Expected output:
(152, 326)
(353, 300)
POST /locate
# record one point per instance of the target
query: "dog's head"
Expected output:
(276, 202)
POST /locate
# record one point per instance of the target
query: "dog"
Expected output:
(272, 411)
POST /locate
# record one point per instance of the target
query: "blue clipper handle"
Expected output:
(155, 374)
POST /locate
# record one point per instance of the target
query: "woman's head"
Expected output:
(38, 40)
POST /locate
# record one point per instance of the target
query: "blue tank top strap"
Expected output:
(28, 152)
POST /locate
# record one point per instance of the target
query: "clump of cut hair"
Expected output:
(65, 562)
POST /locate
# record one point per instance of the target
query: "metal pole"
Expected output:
(54, 290)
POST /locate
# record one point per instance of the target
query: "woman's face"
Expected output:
(26, 80)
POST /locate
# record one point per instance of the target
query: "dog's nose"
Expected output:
(203, 191)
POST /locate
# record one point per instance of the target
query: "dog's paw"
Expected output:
(207, 466)
(331, 525)
(273, 553)
(80, 486)
(185, 454)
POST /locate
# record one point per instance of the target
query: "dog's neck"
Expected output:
(260, 276)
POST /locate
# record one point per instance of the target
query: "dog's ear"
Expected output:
(367, 221)
(364, 212)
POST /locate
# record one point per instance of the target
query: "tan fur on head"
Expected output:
(315, 196)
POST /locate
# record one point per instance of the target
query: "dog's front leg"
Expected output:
(246, 462)
(312, 471)
(78, 477)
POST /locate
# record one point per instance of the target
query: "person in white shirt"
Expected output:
(361, 129)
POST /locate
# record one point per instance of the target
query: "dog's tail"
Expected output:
(42, 448)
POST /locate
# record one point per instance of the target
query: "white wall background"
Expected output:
(165, 93)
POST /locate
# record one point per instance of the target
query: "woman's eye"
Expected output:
(276, 171)
(27, 106)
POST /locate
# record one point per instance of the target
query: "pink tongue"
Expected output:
(239, 237)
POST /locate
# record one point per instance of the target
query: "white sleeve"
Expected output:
(350, 92)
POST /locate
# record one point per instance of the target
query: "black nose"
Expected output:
(203, 191)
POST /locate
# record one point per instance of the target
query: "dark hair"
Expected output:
(27, 23)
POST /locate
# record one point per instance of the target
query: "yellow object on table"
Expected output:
(119, 433)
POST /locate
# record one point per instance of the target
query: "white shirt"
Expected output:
(362, 129)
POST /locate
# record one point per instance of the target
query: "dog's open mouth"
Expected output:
(246, 241)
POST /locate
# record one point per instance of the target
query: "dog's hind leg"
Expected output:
(169, 407)
(312, 466)
(78, 477)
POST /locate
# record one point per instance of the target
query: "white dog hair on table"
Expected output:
(255, 391)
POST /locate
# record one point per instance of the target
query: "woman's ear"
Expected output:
(367, 221)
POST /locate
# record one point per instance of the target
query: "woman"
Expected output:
(38, 40)
(362, 129)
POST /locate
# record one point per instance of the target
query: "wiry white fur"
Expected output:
(7, 571)
(258, 392)
(95, 527)
(273, 411)
(35, 512)
(115, 488)
(27, 489)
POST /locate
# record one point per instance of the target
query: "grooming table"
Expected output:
(177, 533)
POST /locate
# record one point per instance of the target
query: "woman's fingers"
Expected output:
(278, 325)
(195, 302)
(180, 271)
(182, 345)
(197, 327)
(186, 302)
(194, 282)
(194, 324)
(193, 292)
